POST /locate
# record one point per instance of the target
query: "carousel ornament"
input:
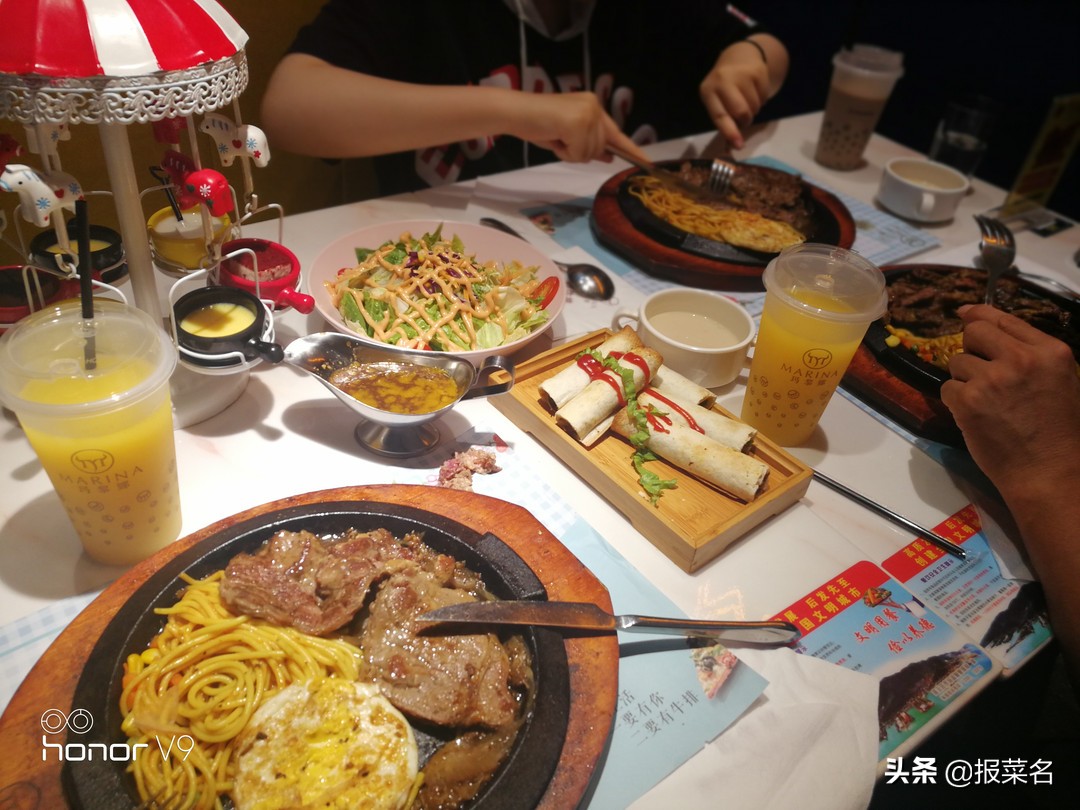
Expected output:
(41, 193)
(232, 141)
(118, 63)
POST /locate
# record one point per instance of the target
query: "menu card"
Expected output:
(1005, 617)
(865, 620)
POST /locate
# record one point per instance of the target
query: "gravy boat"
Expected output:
(385, 432)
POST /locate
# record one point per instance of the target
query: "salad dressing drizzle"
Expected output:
(436, 297)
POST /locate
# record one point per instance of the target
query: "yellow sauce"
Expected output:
(95, 245)
(400, 387)
(220, 319)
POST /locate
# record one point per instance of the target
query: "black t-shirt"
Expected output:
(645, 59)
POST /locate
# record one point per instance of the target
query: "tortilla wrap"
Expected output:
(571, 380)
(729, 432)
(669, 380)
(598, 400)
(703, 457)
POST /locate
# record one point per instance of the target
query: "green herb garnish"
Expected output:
(652, 483)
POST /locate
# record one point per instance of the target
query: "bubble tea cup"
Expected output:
(93, 399)
(819, 302)
(862, 81)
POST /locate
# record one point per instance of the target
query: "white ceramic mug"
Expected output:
(922, 190)
(702, 335)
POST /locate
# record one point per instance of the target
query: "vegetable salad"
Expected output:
(428, 293)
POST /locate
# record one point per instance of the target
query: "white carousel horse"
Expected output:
(245, 140)
(40, 193)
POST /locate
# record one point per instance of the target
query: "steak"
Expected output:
(450, 680)
(760, 190)
(925, 300)
(298, 580)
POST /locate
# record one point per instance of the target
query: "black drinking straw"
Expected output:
(86, 288)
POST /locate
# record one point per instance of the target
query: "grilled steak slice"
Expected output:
(297, 580)
(770, 193)
(450, 680)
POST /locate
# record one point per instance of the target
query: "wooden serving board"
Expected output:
(693, 523)
(29, 783)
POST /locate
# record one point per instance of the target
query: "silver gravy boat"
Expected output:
(384, 432)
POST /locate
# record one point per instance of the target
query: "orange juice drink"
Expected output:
(103, 429)
(819, 302)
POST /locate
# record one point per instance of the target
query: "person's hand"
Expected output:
(735, 90)
(1015, 395)
(574, 126)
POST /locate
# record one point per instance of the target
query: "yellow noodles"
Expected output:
(731, 226)
(194, 689)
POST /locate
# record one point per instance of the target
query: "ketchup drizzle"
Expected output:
(678, 409)
(596, 371)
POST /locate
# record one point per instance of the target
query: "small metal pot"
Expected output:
(220, 349)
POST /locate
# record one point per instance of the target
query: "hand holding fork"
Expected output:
(997, 248)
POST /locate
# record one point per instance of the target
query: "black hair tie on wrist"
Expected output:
(760, 50)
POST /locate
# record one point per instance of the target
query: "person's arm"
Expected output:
(312, 107)
(1015, 395)
(747, 74)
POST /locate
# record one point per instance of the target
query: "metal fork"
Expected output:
(997, 248)
(720, 174)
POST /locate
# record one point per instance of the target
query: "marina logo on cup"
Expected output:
(817, 359)
(92, 462)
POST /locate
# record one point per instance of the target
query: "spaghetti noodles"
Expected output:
(194, 689)
(732, 226)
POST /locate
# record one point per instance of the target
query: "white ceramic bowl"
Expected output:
(484, 243)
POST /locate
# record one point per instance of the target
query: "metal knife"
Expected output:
(587, 616)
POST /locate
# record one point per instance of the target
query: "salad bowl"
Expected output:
(485, 244)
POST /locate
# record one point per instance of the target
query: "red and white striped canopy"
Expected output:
(117, 38)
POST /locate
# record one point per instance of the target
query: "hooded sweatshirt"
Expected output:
(643, 61)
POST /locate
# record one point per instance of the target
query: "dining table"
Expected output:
(803, 725)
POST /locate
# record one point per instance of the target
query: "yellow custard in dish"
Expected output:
(95, 246)
(217, 320)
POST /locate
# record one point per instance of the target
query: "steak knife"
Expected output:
(587, 616)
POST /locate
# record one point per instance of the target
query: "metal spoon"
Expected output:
(587, 280)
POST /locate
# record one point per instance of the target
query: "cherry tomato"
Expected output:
(546, 291)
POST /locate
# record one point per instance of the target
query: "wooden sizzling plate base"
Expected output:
(29, 781)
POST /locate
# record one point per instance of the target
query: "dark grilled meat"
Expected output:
(773, 194)
(450, 680)
(924, 301)
(297, 580)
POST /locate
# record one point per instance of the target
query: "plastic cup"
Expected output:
(961, 135)
(104, 434)
(819, 301)
(862, 81)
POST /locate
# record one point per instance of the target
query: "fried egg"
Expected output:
(753, 231)
(328, 744)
